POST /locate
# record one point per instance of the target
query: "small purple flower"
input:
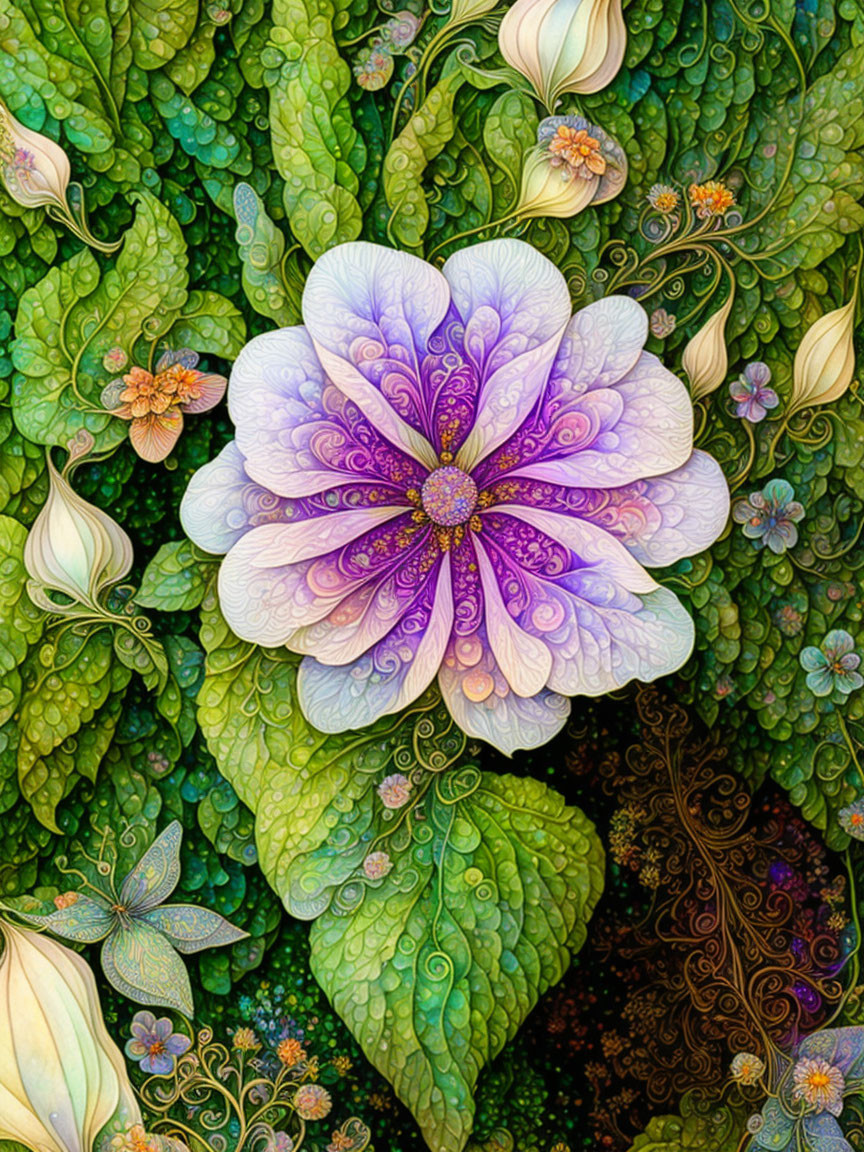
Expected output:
(751, 392)
(770, 516)
(155, 1044)
(833, 666)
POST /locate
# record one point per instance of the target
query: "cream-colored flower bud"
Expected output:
(35, 170)
(73, 548)
(62, 1077)
(574, 164)
(706, 360)
(825, 360)
(564, 45)
(548, 191)
(464, 11)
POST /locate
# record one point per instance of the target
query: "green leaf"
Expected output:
(176, 578)
(316, 149)
(20, 621)
(72, 318)
(509, 131)
(143, 654)
(198, 133)
(93, 34)
(160, 28)
(263, 745)
(210, 323)
(819, 204)
(48, 79)
(65, 685)
(262, 247)
(420, 141)
(703, 1126)
(435, 968)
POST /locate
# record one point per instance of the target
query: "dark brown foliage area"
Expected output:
(723, 929)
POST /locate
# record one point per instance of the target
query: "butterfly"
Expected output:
(143, 937)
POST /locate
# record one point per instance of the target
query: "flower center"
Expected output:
(449, 496)
(156, 1048)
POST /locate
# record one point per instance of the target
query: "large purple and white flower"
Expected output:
(443, 473)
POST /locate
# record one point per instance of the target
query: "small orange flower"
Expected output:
(711, 199)
(291, 1052)
(578, 150)
(154, 402)
(65, 900)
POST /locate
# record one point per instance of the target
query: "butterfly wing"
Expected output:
(191, 929)
(141, 964)
(86, 920)
(155, 876)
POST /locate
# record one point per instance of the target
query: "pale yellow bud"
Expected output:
(464, 11)
(564, 45)
(62, 1077)
(825, 360)
(73, 548)
(548, 191)
(706, 360)
(35, 170)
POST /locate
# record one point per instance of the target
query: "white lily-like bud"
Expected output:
(36, 173)
(574, 164)
(825, 361)
(706, 359)
(73, 548)
(62, 1077)
(564, 45)
(35, 170)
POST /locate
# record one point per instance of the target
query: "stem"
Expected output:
(471, 232)
(850, 745)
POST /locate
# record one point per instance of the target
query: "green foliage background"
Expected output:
(229, 147)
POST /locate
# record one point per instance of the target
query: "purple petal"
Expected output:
(370, 312)
(221, 503)
(158, 1065)
(177, 1044)
(741, 391)
(297, 433)
(143, 1024)
(599, 613)
(757, 374)
(267, 601)
(515, 305)
(646, 429)
(659, 521)
(136, 1049)
(390, 675)
(163, 1028)
(366, 616)
(523, 658)
(484, 705)
(751, 410)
